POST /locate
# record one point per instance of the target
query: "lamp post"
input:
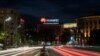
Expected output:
(16, 35)
(6, 20)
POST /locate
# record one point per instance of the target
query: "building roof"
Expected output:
(91, 17)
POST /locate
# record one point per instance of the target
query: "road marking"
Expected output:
(10, 53)
(18, 51)
(22, 52)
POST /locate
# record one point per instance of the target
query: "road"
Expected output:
(70, 51)
(22, 51)
(52, 53)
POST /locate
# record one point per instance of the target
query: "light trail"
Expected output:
(18, 51)
(74, 52)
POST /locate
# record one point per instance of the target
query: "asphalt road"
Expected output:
(22, 51)
(52, 53)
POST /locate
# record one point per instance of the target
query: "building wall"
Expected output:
(55, 30)
(85, 25)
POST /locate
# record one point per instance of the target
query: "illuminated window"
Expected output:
(88, 34)
(81, 31)
(85, 34)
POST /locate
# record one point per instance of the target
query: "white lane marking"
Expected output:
(13, 49)
(23, 52)
(17, 51)
(10, 53)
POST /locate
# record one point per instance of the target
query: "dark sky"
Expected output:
(65, 10)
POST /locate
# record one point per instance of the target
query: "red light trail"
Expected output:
(65, 51)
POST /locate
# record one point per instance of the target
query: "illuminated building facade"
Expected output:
(84, 27)
(69, 29)
(70, 25)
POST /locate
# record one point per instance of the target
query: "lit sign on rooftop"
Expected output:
(49, 21)
(70, 25)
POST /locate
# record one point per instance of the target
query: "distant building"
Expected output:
(69, 32)
(9, 20)
(84, 27)
(50, 30)
(5, 13)
(54, 29)
(69, 25)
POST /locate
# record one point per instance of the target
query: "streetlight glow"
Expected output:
(8, 19)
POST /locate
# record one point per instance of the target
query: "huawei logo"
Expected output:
(43, 20)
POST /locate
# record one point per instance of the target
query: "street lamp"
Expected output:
(6, 20)
(16, 31)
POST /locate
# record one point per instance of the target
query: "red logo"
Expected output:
(43, 20)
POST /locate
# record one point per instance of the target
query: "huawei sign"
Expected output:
(43, 20)
(49, 21)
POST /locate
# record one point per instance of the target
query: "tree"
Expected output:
(16, 38)
(1, 31)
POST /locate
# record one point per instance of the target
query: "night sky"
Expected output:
(65, 10)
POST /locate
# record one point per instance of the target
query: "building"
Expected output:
(52, 32)
(69, 32)
(84, 27)
(55, 27)
(9, 21)
(70, 25)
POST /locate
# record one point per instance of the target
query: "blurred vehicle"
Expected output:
(48, 43)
